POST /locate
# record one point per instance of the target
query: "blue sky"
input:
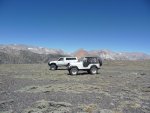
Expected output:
(118, 25)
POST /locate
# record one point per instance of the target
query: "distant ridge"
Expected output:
(110, 55)
(24, 54)
(19, 54)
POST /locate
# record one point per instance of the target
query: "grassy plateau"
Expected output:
(120, 87)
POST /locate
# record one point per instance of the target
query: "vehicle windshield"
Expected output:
(60, 59)
(81, 59)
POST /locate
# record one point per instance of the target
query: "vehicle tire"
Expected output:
(100, 61)
(73, 71)
(53, 67)
(93, 70)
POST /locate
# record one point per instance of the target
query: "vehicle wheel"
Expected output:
(73, 71)
(93, 70)
(53, 67)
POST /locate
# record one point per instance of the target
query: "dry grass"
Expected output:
(120, 85)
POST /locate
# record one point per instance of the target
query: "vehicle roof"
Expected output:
(67, 57)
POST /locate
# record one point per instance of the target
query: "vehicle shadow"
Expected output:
(82, 74)
(61, 69)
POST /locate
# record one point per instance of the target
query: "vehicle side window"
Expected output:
(89, 60)
(61, 59)
(70, 58)
(92, 60)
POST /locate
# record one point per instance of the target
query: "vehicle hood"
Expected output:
(53, 62)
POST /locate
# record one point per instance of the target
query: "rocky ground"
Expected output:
(120, 87)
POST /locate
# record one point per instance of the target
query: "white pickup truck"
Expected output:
(62, 61)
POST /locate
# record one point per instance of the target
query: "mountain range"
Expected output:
(18, 53)
(111, 55)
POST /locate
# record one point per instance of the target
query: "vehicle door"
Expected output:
(60, 62)
(70, 60)
(86, 62)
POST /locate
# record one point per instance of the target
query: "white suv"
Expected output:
(89, 64)
(62, 61)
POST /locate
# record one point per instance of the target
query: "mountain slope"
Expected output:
(34, 49)
(19, 54)
(30, 54)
